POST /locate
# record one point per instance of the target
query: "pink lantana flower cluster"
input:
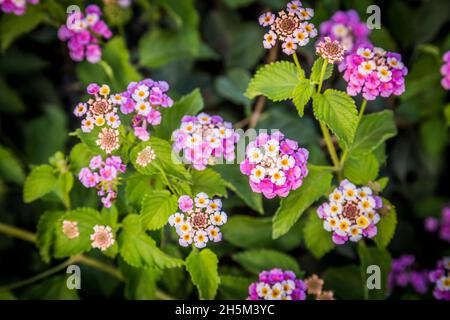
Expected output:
(441, 277)
(144, 98)
(445, 71)
(442, 226)
(103, 175)
(102, 238)
(351, 213)
(374, 72)
(277, 284)
(18, 7)
(291, 27)
(204, 140)
(275, 165)
(83, 32)
(199, 220)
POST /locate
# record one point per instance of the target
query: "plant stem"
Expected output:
(17, 233)
(322, 74)
(297, 63)
(330, 145)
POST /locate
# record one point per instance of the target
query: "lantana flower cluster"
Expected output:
(204, 139)
(275, 165)
(199, 220)
(374, 72)
(100, 111)
(143, 98)
(403, 273)
(277, 284)
(83, 33)
(330, 50)
(441, 277)
(445, 71)
(102, 237)
(18, 7)
(103, 175)
(291, 27)
(351, 213)
(433, 224)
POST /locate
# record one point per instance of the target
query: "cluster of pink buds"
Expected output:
(144, 98)
(441, 277)
(83, 33)
(374, 72)
(18, 7)
(103, 175)
(351, 213)
(445, 71)
(205, 139)
(275, 165)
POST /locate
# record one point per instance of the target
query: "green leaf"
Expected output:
(256, 261)
(386, 226)
(361, 170)
(138, 249)
(184, 12)
(140, 283)
(276, 81)
(86, 218)
(10, 167)
(11, 101)
(233, 287)
(157, 206)
(316, 183)
(54, 288)
(188, 105)
(6, 295)
(317, 69)
(239, 184)
(317, 239)
(208, 181)
(138, 186)
(373, 130)
(238, 3)
(344, 282)
(63, 187)
(80, 156)
(39, 182)
(301, 95)
(232, 86)
(12, 26)
(45, 234)
(379, 257)
(338, 111)
(202, 266)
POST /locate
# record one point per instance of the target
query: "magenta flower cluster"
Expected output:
(433, 224)
(445, 71)
(374, 72)
(441, 278)
(16, 7)
(277, 284)
(275, 165)
(104, 176)
(83, 32)
(143, 98)
(404, 274)
(205, 140)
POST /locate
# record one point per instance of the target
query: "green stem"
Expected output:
(297, 63)
(17, 233)
(169, 185)
(322, 74)
(330, 145)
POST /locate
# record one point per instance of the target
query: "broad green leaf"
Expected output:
(344, 282)
(188, 105)
(238, 3)
(86, 218)
(301, 95)
(256, 261)
(202, 266)
(361, 170)
(138, 186)
(63, 187)
(233, 287)
(276, 81)
(316, 184)
(10, 167)
(338, 111)
(386, 226)
(317, 239)
(54, 288)
(140, 283)
(6, 295)
(373, 130)
(184, 12)
(245, 49)
(46, 233)
(157, 206)
(232, 86)
(317, 68)
(208, 181)
(39, 182)
(80, 156)
(138, 249)
(372, 256)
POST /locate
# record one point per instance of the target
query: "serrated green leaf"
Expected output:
(338, 111)
(317, 239)
(10, 167)
(202, 266)
(276, 81)
(39, 182)
(256, 261)
(138, 186)
(301, 95)
(46, 233)
(316, 183)
(361, 170)
(208, 181)
(317, 69)
(63, 186)
(386, 226)
(80, 156)
(138, 249)
(157, 206)
(140, 283)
